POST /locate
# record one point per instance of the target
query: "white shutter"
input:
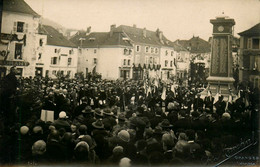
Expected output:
(15, 27)
(26, 28)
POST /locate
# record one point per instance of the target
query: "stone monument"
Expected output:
(221, 79)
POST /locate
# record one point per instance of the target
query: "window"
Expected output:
(71, 52)
(166, 63)
(151, 60)
(54, 72)
(39, 56)
(124, 61)
(156, 50)
(18, 51)
(128, 63)
(95, 50)
(95, 60)
(20, 26)
(55, 50)
(146, 49)
(255, 43)
(152, 50)
(171, 64)
(171, 53)
(69, 61)
(62, 72)
(41, 42)
(54, 60)
(130, 51)
(137, 48)
(166, 52)
(125, 51)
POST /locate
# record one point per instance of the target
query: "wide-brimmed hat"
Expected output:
(158, 130)
(98, 112)
(98, 124)
(108, 112)
(165, 124)
(87, 110)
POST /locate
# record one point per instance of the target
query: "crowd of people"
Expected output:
(119, 122)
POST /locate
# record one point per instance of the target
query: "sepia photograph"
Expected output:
(127, 83)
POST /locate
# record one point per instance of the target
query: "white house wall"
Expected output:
(8, 19)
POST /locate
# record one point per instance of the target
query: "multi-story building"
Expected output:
(250, 55)
(123, 52)
(19, 25)
(200, 51)
(55, 54)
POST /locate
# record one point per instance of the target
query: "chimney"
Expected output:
(134, 25)
(160, 34)
(144, 32)
(88, 30)
(112, 28)
(157, 32)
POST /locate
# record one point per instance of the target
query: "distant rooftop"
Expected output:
(253, 31)
(54, 37)
(19, 6)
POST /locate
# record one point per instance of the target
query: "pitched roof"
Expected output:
(18, 6)
(177, 47)
(255, 30)
(136, 34)
(122, 35)
(195, 45)
(54, 37)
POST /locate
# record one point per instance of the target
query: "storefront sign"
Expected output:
(14, 63)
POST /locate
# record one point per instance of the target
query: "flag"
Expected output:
(229, 101)
(163, 93)
(216, 98)
(173, 89)
(237, 96)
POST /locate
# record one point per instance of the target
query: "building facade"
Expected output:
(125, 52)
(18, 36)
(249, 56)
(56, 56)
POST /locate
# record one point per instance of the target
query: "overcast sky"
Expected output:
(178, 19)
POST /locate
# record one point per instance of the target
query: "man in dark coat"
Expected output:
(208, 101)
(220, 106)
(61, 122)
(8, 91)
(198, 103)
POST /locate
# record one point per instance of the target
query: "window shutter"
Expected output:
(249, 43)
(26, 28)
(15, 27)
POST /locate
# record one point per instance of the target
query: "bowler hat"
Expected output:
(108, 112)
(165, 124)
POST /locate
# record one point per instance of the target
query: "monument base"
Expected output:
(222, 85)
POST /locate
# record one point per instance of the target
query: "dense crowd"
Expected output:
(119, 122)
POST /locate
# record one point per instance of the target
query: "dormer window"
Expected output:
(92, 39)
(125, 39)
(125, 51)
(41, 42)
(166, 52)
